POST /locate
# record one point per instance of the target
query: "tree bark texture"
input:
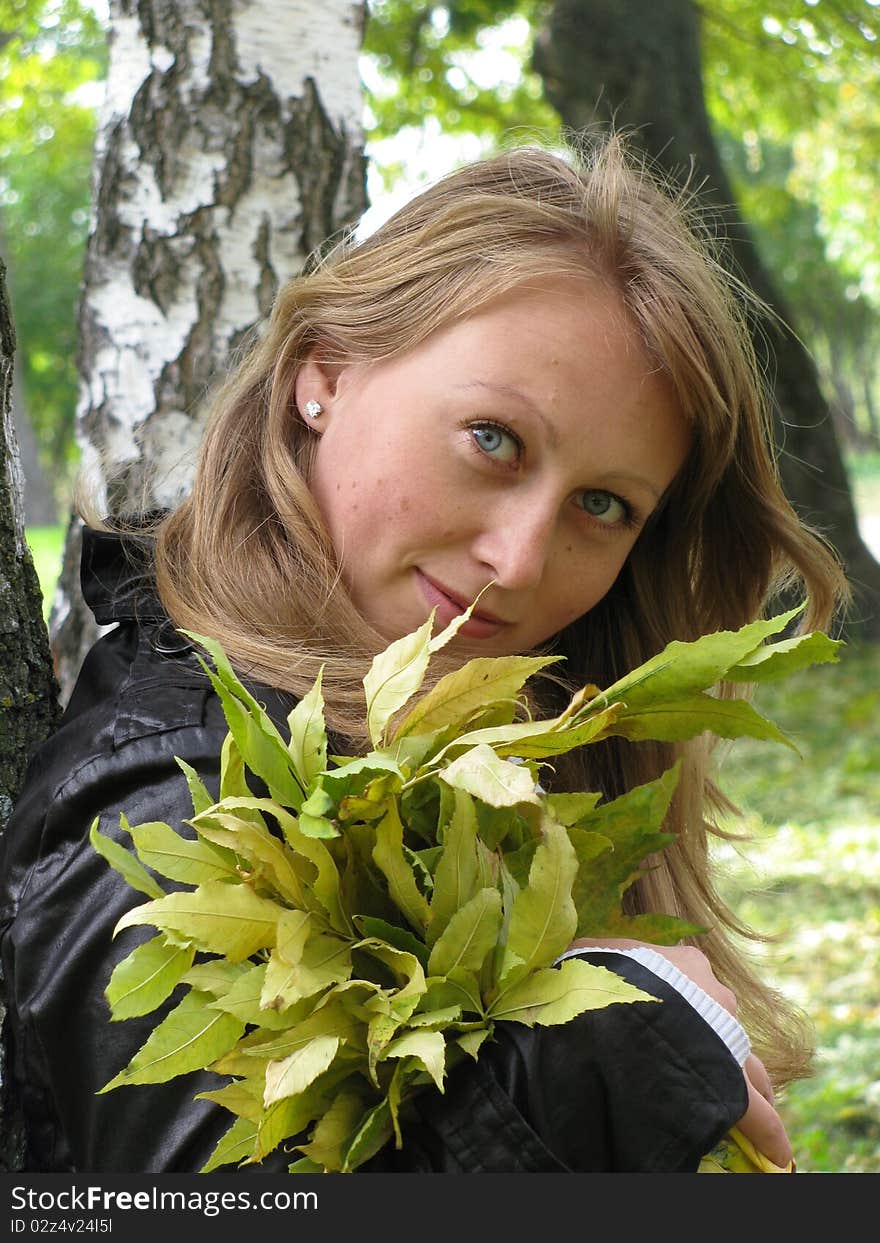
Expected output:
(28, 689)
(230, 146)
(639, 64)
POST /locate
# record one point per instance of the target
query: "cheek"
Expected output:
(585, 580)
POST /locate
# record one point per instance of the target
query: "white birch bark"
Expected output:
(230, 145)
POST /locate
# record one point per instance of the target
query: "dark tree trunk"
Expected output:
(28, 690)
(638, 62)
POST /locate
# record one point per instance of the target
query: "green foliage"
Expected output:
(811, 880)
(51, 52)
(805, 75)
(422, 65)
(46, 545)
(791, 87)
(354, 935)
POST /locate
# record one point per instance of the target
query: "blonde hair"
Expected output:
(246, 558)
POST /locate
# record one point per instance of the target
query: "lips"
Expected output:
(480, 625)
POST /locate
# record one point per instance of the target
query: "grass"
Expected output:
(810, 877)
(46, 545)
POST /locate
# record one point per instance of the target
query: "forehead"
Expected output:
(540, 333)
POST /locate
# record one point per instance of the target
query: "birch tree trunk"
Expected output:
(229, 147)
(28, 690)
(639, 64)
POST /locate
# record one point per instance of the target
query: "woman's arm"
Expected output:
(760, 1123)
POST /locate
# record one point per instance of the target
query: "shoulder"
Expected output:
(133, 713)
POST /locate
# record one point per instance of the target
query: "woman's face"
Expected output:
(518, 453)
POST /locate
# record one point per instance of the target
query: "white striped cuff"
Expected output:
(720, 1020)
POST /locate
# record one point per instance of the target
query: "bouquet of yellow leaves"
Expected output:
(345, 939)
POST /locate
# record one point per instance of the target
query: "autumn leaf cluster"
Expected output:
(341, 939)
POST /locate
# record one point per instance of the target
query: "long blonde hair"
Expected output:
(246, 558)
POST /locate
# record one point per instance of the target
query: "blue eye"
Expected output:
(497, 443)
(604, 506)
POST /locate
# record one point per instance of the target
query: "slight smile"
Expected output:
(480, 625)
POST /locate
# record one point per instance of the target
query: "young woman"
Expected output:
(533, 382)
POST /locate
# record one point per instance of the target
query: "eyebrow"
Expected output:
(623, 474)
(509, 390)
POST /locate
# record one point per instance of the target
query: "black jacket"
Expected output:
(631, 1087)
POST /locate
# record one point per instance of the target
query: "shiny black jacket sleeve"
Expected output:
(640, 1087)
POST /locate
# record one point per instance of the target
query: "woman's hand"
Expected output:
(760, 1123)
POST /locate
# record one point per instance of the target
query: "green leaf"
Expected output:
(308, 735)
(219, 918)
(557, 994)
(570, 808)
(294, 1073)
(216, 976)
(539, 739)
(427, 1048)
(543, 918)
(305, 1165)
(268, 857)
(476, 685)
(244, 1098)
(481, 773)
(469, 936)
(400, 938)
(375, 775)
(324, 881)
(189, 1038)
(659, 929)
(381, 1029)
(671, 720)
(291, 1115)
(334, 1131)
(244, 999)
(459, 989)
(682, 669)
(406, 969)
(394, 677)
(259, 742)
(241, 997)
(373, 1133)
(777, 660)
(456, 878)
(632, 824)
(199, 792)
(398, 672)
(472, 1041)
(325, 960)
(148, 976)
(389, 857)
(179, 858)
(435, 1018)
(236, 1146)
(233, 776)
(124, 862)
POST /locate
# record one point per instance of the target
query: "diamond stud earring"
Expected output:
(313, 409)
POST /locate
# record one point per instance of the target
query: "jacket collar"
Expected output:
(116, 574)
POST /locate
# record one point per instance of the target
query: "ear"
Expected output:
(314, 382)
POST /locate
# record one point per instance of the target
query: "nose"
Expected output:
(515, 544)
